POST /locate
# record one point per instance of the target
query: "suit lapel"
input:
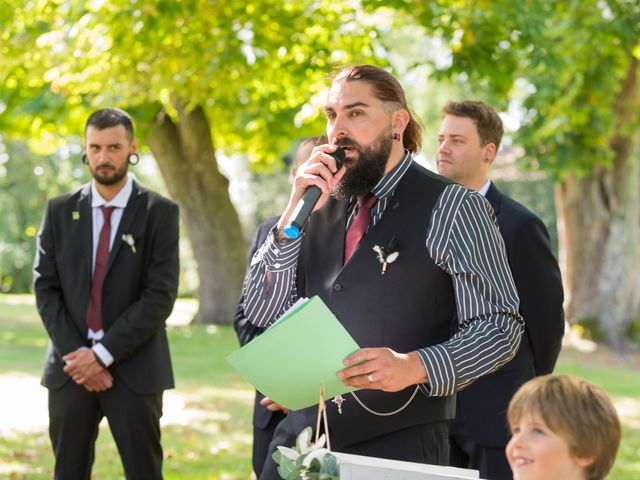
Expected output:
(128, 216)
(494, 197)
(86, 230)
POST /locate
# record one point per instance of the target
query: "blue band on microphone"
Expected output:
(291, 231)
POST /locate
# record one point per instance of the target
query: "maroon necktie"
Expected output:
(94, 311)
(359, 224)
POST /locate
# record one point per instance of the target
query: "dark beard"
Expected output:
(111, 178)
(366, 170)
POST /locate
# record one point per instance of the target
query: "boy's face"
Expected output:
(535, 452)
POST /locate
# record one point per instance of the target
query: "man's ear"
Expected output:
(490, 152)
(133, 147)
(399, 120)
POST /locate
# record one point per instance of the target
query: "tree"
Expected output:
(574, 66)
(201, 78)
(25, 183)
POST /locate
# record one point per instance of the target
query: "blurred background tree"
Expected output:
(201, 78)
(569, 70)
(232, 85)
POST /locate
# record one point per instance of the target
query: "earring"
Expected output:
(131, 159)
(84, 159)
(396, 136)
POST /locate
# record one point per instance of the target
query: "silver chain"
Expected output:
(386, 414)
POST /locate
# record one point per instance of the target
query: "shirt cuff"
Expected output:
(103, 354)
(441, 373)
(278, 257)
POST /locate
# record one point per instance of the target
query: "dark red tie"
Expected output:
(359, 224)
(94, 311)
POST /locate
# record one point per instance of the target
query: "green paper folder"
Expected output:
(301, 351)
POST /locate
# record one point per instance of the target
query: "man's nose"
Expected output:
(102, 156)
(337, 130)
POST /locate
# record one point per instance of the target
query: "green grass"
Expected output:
(209, 437)
(209, 412)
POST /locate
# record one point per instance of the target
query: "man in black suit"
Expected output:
(267, 414)
(105, 279)
(468, 141)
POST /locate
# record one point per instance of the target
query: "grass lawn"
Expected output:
(207, 421)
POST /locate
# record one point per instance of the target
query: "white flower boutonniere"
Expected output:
(386, 256)
(128, 239)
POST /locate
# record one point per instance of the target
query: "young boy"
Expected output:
(563, 427)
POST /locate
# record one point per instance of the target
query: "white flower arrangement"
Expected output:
(306, 460)
(384, 257)
(129, 240)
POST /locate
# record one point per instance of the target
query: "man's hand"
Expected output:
(320, 170)
(101, 382)
(382, 369)
(82, 365)
(273, 406)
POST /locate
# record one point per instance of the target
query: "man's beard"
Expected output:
(365, 171)
(110, 178)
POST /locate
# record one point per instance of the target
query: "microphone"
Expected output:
(309, 199)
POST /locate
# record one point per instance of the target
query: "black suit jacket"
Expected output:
(482, 406)
(246, 331)
(139, 288)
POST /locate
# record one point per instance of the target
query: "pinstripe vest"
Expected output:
(411, 306)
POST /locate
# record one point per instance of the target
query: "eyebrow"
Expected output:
(118, 144)
(349, 106)
(455, 135)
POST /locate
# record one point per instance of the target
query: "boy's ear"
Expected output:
(584, 462)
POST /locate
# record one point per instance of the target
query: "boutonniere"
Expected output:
(75, 215)
(128, 239)
(386, 255)
(338, 400)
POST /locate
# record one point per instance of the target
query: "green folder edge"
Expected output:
(290, 360)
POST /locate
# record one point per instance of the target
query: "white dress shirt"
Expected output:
(119, 202)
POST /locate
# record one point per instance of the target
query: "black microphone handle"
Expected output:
(305, 205)
(302, 211)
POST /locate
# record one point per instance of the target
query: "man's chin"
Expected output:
(108, 180)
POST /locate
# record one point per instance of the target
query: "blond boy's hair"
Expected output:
(577, 410)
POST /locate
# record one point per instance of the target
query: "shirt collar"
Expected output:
(485, 188)
(387, 184)
(119, 201)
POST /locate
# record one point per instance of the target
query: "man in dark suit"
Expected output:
(468, 141)
(105, 279)
(267, 414)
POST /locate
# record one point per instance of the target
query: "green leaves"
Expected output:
(572, 58)
(251, 65)
(307, 461)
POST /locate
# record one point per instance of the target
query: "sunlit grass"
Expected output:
(206, 431)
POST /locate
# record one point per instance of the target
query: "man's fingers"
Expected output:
(99, 383)
(266, 401)
(363, 355)
(361, 369)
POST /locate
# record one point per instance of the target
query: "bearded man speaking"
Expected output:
(443, 313)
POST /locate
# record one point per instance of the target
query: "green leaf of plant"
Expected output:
(330, 465)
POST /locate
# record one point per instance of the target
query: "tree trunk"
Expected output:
(599, 230)
(185, 154)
